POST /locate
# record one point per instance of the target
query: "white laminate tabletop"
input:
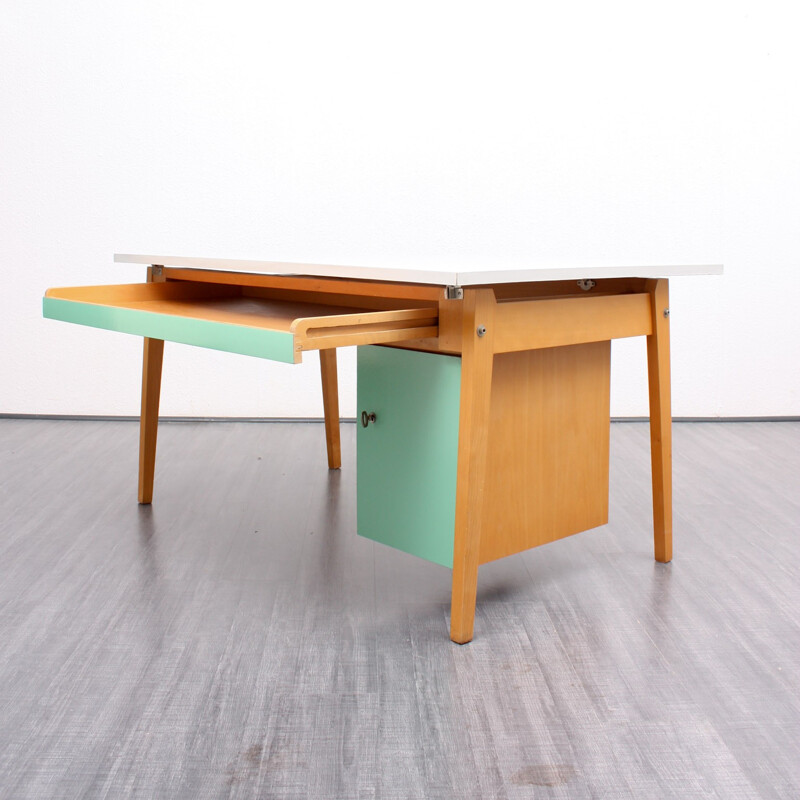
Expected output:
(469, 277)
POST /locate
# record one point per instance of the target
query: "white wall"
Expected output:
(409, 133)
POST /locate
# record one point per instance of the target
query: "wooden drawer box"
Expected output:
(267, 323)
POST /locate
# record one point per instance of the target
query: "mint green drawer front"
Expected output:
(259, 342)
(407, 458)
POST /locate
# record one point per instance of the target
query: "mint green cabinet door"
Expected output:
(407, 457)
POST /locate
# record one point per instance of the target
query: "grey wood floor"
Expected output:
(237, 639)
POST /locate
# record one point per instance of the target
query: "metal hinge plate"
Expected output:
(453, 293)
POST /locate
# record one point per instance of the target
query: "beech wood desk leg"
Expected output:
(660, 419)
(330, 403)
(148, 422)
(476, 388)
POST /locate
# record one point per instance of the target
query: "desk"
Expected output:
(483, 397)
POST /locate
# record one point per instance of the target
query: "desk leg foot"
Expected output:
(148, 423)
(477, 358)
(660, 419)
(330, 403)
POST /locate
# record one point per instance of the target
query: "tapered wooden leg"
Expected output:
(473, 436)
(148, 423)
(660, 419)
(330, 402)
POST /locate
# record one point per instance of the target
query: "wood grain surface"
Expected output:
(236, 639)
(547, 454)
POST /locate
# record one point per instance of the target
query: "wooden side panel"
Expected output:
(547, 464)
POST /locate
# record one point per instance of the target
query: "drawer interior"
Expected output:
(284, 322)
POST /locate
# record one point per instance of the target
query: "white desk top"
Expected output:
(437, 277)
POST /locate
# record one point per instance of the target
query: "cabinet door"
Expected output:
(407, 457)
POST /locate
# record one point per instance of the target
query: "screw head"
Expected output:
(481, 330)
(666, 312)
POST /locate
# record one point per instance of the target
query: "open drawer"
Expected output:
(240, 319)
